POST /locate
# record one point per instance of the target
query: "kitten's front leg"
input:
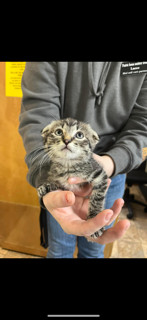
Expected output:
(47, 187)
(97, 198)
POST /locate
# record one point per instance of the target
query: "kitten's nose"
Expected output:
(66, 141)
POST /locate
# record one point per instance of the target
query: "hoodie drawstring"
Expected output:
(102, 81)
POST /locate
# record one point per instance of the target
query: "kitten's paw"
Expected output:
(47, 187)
(42, 190)
(98, 233)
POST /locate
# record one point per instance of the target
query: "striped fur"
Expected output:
(69, 144)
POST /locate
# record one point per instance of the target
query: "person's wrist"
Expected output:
(107, 163)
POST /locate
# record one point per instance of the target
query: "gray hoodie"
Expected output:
(113, 102)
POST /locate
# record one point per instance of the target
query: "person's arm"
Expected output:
(126, 152)
(40, 105)
(107, 163)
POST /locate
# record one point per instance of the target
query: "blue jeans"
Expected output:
(62, 245)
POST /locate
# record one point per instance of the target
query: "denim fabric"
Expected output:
(62, 245)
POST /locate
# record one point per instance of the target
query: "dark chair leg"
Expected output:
(128, 198)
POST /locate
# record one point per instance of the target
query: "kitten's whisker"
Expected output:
(42, 161)
(37, 156)
(41, 149)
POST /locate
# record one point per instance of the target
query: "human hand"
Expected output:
(70, 210)
(106, 162)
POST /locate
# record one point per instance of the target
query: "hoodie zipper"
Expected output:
(102, 81)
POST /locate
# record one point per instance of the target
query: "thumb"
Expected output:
(58, 199)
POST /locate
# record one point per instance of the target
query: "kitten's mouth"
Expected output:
(66, 148)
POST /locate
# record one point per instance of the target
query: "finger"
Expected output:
(87, 187)
(108, 183)
(92, 225)
(114, 233)
(85, 190)
(86, 228)
(81, 207)
(77, 180)
(58, 199)
(116, 208)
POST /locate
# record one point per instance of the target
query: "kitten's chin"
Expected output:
(64, 155)
(67, 155)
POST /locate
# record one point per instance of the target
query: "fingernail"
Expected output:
(108, 216)
(69, 197)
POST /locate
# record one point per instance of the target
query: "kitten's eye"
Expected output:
(79, 135)
(59, 132)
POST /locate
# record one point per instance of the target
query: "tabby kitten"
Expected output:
(69, 144)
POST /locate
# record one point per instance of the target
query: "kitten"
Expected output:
(69, 144)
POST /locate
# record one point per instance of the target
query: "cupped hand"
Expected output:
(70, 211)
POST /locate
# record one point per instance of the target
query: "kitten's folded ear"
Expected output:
(94, 138)
(48, 128)
(45, 131)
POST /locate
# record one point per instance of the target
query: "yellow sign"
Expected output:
(13, 73)
(144, 153)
